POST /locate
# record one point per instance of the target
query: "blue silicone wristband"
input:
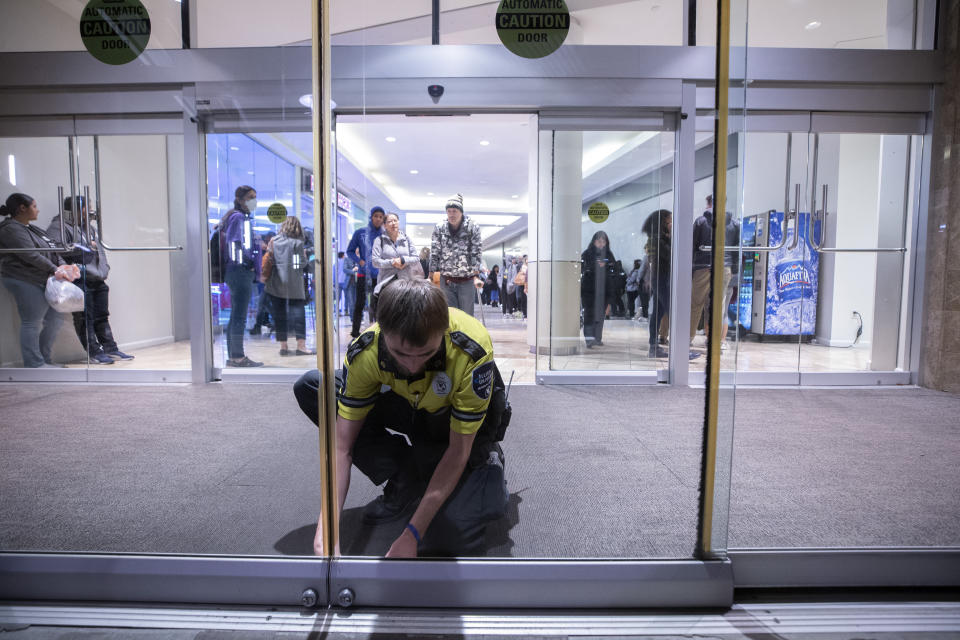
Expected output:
(413, 530)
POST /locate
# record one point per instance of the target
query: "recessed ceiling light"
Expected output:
(234, 148)
(250, 173)
(815, 24)
(414, 171)
(390, 139)
(484, 143)
(514, 196)
(430, 193)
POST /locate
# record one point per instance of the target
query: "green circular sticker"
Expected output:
(277, 213)
(598, 212)
(115, 31)
(532, 28)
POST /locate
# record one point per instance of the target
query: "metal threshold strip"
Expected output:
(740, 620)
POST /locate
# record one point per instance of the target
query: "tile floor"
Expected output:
(624, 349)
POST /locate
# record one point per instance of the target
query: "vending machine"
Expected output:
(783, 298)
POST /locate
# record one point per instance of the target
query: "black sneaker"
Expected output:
(100, 358)
(119, 355)
(397, 499)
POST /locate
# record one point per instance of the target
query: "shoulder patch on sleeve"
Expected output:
(483, 380)
(363, 341)
(467, 344)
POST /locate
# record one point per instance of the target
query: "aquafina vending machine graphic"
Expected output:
(792, 280)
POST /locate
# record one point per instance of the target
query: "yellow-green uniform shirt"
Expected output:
(459, 376)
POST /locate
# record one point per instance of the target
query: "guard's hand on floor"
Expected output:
(403, 547)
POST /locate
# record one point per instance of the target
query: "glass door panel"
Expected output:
(611, 218)
(863, 204)
(136, 271)
(33, 336)
(262, 319)
(765, 322)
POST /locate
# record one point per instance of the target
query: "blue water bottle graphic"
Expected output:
(791, 282)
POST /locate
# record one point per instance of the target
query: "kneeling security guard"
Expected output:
(446, 395)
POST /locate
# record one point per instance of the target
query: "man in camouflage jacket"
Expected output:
(455, 254)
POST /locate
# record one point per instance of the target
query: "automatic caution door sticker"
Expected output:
(598, 212)
(115, 31)
(532, 28)
(277, 213)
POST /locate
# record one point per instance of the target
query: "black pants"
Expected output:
(289, 316)
(632, 303)
(93, 323)
(361, 302)
(644, 296)
(481, 493)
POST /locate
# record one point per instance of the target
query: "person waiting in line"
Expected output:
(242, 260)
(617, 309)
(492, 285)
(445, 395)
(505, 290)
(25, 275)
(348, 283)
(394, 255)
(731, 268)
(597, 286)
(425, 261)
(359, 249)
(521, 281)
(456, 252)
(285, 286)
(643, 289)
(657, 227)
(700, 287)
(633, 288)
(264, 311)
(93, 323)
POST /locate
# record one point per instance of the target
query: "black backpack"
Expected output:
(217, 271)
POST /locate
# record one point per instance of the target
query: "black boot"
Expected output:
(400, 494)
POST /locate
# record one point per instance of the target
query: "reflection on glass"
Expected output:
(814, 24)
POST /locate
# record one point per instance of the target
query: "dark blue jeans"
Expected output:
(93, 323)
(240, 281)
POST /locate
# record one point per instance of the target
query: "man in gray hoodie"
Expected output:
(93, 323)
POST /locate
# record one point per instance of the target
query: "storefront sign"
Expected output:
(277, 213)
(115, 31)
(343, 202)
(532, 28)
(598, 212)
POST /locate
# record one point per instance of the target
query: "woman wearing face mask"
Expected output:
(242, 260)
(394, 255)
(25, 276)
(597, 286)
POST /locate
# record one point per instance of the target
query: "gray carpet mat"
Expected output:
(592, 471)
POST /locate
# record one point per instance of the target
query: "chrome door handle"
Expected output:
(823, 231)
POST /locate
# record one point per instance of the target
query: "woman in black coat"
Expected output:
(597, 286)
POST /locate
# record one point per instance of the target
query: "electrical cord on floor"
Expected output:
(859, 327)
(855, 340)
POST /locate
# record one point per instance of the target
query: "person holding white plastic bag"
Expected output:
(25, 275)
